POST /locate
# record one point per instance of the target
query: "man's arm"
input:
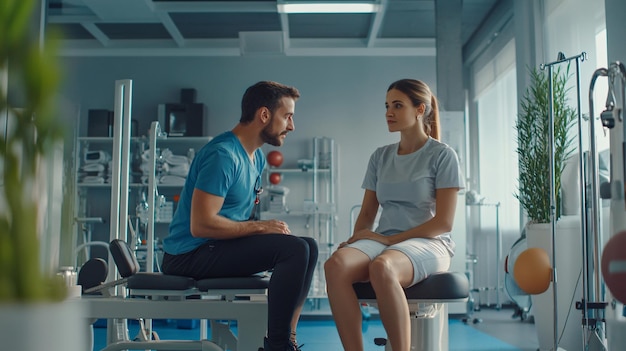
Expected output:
(207, 223)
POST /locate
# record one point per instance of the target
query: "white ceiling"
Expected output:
(233, 28)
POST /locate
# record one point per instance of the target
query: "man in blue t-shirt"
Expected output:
(211, 234)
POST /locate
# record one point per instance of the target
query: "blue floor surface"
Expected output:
(321, 335)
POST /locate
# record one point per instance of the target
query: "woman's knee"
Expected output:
(334, 267)
(380, 269)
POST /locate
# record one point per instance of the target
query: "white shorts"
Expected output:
(427, 255)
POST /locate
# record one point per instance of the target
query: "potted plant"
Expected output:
(533, 149)
(533, 144)
(31, 297)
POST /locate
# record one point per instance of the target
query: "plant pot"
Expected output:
(58, 326)
(569, 284)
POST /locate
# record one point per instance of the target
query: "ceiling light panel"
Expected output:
(327, 7)
(339, 25)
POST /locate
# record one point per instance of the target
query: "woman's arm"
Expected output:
(364, 226)
(445, 208)
(367, 215)
(207, 223)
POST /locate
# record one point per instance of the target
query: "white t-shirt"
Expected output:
(405, 184)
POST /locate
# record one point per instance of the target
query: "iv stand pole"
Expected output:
(560, 59)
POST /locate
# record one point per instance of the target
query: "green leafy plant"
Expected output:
(29, 76)
(533, 144)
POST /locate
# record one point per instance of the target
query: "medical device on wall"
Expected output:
(96, 156)
(185, 118)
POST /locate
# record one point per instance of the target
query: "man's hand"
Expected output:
(273, 226)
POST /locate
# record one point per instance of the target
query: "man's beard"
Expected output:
(271, 138)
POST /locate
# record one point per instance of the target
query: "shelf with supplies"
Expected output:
(93, 184)
(303, 171)
(94, 154)
(304, 194)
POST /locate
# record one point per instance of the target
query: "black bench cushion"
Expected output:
(438, 286)
(124, 258)
(159, 281)
(128, 267)
(93, 273)
(252, 282)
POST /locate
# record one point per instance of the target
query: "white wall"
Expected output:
(342, 98)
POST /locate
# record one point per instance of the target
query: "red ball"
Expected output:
(614, 266)
(275, 178)
(275, 158)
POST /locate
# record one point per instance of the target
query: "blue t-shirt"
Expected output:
(405, 184)
(222, 168)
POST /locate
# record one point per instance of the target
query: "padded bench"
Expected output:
(162, 296)
(427, 304)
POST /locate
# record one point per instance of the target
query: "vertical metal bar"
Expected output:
(117, 328)
(594, 198)
(553, 209)
(620, 71)
(155, 130)
(120, 161)
(588, 315)
(498, 255)
(125, 160)
(116, 156)
(316, 160)
(553, 205)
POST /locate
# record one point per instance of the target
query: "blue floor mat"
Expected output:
(321, 335)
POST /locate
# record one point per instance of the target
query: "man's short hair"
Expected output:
(264, 94)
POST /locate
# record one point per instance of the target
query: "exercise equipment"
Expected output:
(604, 314)
(148, 295)
(614, 266)
(275, 178)
(427, 305)
(532, 270)
(157, 295)
(521, 299)
(275, 158)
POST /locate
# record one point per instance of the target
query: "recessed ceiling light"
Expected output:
(328, 7)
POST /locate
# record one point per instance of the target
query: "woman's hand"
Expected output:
(368, 234)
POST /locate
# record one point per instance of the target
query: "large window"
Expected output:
(497, 158)
(493, 96)
(494, 170)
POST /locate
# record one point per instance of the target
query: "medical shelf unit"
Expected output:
(498, 287)
(93, 192)
(310, 204)
(157, 188)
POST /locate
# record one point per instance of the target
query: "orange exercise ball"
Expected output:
(275, 158)
(532, 270)
(614, 266)
(275, 178)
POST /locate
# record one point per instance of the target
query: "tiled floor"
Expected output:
(497, 331)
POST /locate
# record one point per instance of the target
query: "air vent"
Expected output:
(261, 43)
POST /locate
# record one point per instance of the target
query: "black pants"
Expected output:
(292, 260)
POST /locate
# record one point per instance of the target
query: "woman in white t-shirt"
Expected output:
(415, 182)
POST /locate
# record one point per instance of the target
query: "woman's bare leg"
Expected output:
(343, 268)
(388, 273)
